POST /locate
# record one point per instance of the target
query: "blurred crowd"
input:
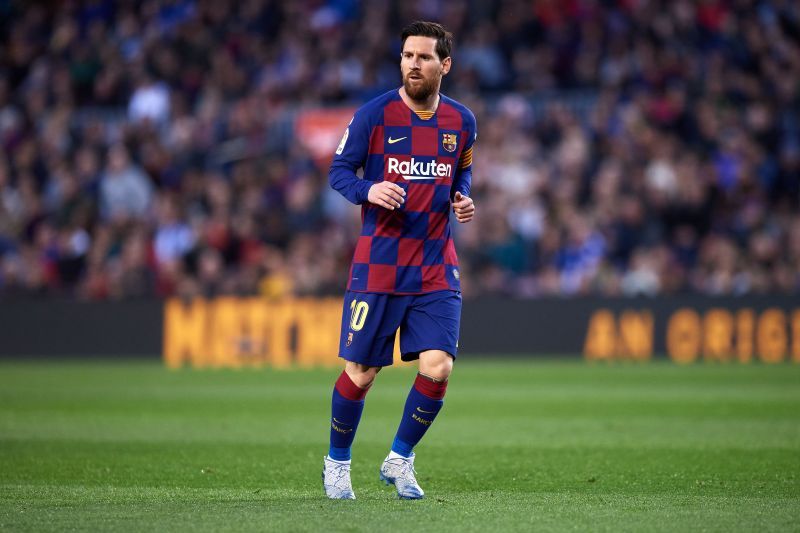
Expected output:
(626, 147)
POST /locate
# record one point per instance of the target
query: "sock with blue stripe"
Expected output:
(347, 405)
(423, 404)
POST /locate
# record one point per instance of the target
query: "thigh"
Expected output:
(432, 322)
(369, 326)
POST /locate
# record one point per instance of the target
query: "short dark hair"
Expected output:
(422, 28)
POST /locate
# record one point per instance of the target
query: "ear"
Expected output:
(446, 64)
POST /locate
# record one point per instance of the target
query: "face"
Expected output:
(421, 67)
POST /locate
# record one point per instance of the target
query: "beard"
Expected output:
(420, 92)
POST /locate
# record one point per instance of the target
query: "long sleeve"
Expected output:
(350, 156)
(462, 181)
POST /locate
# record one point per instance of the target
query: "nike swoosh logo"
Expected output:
(339, 422)
(392, 141)
(424, 411)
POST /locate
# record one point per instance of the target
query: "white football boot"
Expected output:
(336, 480)
(399, 471)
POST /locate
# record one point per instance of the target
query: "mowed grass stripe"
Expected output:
(281, 467)
(549, 445)
(543, 432)
(113, 509)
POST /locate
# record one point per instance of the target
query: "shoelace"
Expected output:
(406, 468)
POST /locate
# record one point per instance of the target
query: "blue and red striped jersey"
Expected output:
(409, 250)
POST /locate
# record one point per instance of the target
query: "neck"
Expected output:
(429, 104)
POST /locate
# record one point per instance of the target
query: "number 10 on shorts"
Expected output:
(358, 314)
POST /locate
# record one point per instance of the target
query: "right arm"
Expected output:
(350, 156)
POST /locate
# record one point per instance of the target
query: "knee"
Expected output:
(361, 375)
(438, 367)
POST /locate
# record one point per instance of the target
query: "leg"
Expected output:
(347, 405)
(366, 344)
(425, 400)
(429, 332)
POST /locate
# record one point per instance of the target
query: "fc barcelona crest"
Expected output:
(449, 141)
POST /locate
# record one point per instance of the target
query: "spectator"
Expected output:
(125, 190)
(625, 148)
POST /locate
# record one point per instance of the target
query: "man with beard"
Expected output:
(415, 147)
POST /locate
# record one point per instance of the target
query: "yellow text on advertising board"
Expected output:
(717, 334)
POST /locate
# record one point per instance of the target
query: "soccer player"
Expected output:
(415, 146)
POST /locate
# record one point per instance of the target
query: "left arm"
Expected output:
(463, 205)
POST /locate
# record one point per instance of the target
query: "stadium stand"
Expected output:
(625, 147)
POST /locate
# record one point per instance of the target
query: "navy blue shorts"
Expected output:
(426, 321)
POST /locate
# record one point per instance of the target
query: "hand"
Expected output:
(463, 207)
(386, 194)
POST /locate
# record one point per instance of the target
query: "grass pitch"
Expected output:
(518, 446)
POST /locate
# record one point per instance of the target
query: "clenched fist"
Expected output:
(463, 207)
